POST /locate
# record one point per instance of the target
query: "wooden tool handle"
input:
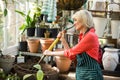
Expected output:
(50, 48)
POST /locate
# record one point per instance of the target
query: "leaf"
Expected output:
(27, 76)
(40, 75)
(37, 66)
(28, 20)
(21, 13)
(22, 28)
(5, 12)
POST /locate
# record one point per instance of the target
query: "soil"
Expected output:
(6, 57)
(27, 68)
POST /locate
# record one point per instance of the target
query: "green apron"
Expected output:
(87, 68)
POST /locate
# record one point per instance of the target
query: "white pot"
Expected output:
(110, 59)
(115, 28)
(113, 7)
(100, 24)
(98, 5)
(117, 1)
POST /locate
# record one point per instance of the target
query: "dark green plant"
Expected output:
(4, 76)
(39, 75)
(29, 21)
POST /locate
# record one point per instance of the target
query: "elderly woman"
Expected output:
(86, 52)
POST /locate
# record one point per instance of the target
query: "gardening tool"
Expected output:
(54, 43)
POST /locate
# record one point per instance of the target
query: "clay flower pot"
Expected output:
(45, 43)
(33, 45)
(63, 63)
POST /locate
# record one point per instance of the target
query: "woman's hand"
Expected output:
(61, 35)
(47, 52)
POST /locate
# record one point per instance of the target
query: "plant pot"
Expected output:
(115, 27)
(40, 32)
(100, 28)
(23, 46)
(33, 45)
(54, 32)
(31, 32)
(6, 62)
(45, 43)
(63, 63)
(110, 59)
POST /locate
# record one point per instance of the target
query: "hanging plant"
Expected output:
(70, 4)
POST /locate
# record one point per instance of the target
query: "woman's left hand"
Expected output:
(47, 52)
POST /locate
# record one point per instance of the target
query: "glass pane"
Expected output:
(11, 25)
(1, 28)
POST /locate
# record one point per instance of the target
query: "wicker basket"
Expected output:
(70, 4)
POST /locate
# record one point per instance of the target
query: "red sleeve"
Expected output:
(87, 43)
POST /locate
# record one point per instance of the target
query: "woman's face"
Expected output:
(78, 24)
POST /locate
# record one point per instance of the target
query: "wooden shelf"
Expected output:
(104, 11)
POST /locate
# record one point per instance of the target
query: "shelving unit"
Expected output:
(32, 54)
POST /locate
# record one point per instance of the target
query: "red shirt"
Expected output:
(88, 43)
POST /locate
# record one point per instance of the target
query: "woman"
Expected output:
(86, 51)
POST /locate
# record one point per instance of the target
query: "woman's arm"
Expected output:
(53, 53)
(63, 40)
(65, 44)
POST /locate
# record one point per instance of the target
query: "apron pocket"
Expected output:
(86, 74)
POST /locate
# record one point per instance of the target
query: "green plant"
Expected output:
(4, 76)
(39, 75)
(30, 21)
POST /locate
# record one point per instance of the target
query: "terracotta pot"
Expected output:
(45, 43)
(63, 63)
(33, 45)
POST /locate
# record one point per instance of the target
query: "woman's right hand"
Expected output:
(61, 35)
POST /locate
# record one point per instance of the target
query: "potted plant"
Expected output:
(22, 45)
(41, 29)
(39, 74)
(4, 76)
(29, 24)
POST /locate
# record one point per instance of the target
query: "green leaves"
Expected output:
(37, 66)
(26, 76)
(5, 12)
(20, 12)
(29, 20)
(39, 74)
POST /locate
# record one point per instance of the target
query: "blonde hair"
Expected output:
(84, 16)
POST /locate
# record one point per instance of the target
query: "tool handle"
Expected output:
(53, 44)
(50, 48)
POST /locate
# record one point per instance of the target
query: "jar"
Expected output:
(110, 59)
